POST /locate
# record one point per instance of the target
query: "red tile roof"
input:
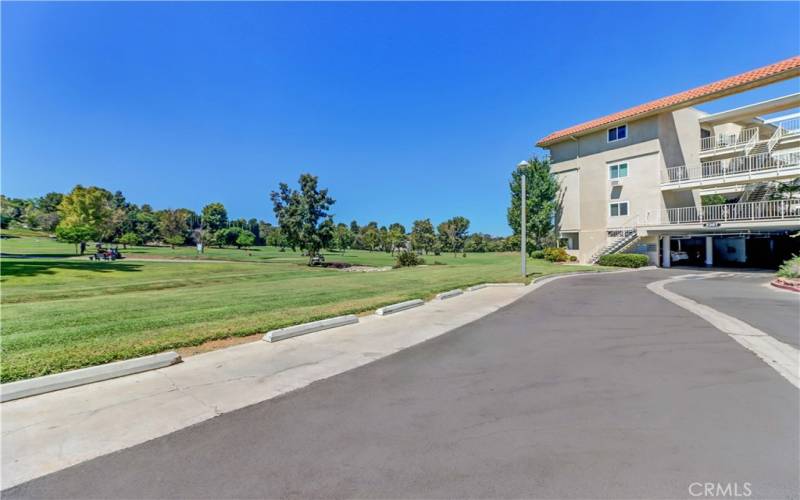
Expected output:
(782, 70)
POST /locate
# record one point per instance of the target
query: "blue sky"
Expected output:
(404, 110)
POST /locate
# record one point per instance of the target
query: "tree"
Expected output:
(85, 215)
(228, 236)
(129, 239)
(327, 232)
(343, 237)
(214, 218)
(397, 236)
(146, 224)
(423, 236)
(299, 214)
(712, 199)
(453, 232)
(75, 234)
(541, 189)
(172, 226)
(275, 238)
(477, 242)
(49, 203)
(245, 239)
(370, 237)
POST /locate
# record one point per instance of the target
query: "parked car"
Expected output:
(678, 256)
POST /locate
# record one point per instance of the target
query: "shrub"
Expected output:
(623, 260)
(572, 258)
(407, 259)
(556, 254)
(537, 254)
(790, 268)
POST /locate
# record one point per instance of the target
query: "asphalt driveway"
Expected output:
(589, 387)
(748, 296)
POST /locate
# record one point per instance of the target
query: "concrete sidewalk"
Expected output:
(46, 433)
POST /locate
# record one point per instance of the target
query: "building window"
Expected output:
(617, 171)
(619, 208)
(617, 133)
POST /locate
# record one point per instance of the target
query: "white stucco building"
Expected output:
(681, 185)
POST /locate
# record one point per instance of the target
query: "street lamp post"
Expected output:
(523, 226)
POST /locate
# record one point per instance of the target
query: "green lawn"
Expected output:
(63, 313)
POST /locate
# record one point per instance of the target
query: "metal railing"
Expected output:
(627, 227)
(754, 211)
(723, 141)
(783, 129)
(732, 166)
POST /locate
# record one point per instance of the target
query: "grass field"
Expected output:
(60, 313)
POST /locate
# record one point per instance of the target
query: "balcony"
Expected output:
(762, 166)
(783, 129)
(711, 215)
(727, 141)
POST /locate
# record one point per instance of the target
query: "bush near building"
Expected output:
(790, 268)
(554, 254)
(623, 260)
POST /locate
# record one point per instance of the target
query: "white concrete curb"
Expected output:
(484, 285)
(780, 356)
(450, 294)
(400, 306)
(55, 382)
(314, 326)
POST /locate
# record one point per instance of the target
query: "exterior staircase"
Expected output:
(757, 192)
(624, 237)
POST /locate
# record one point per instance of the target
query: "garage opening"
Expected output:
(752, 250)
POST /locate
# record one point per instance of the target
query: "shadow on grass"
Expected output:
(37, 255)
(20, 268)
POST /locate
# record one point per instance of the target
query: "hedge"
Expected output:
(623, 260)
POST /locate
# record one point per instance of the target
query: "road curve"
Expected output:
(590, 386)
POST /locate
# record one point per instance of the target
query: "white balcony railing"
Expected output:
(720, 169)
(783, 128)
(723, 141)
(731, 212)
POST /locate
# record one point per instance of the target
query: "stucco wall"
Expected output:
(653, 144)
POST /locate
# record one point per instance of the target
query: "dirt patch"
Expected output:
(365, 269)
(213, 345)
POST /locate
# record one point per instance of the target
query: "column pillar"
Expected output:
(666, 259)
(709, 251)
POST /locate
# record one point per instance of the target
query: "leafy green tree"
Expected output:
(245, 239)
(712, 199)
(85, 213)
(343, 237)
(49, 203)
(423, 236)
(75, 234)
(146, 224)
(173, 226)
(452, 234)
(275, 238)
(215, 218)
(541, 189)
(397, 236)
(370, 236)
(327, 232)
(477, 242)
(129, 239)
(301, 213)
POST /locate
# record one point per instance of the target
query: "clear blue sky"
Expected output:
(403, 110)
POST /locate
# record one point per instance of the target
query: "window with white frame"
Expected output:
(618, 208)
(618, 170)
(617, 133)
